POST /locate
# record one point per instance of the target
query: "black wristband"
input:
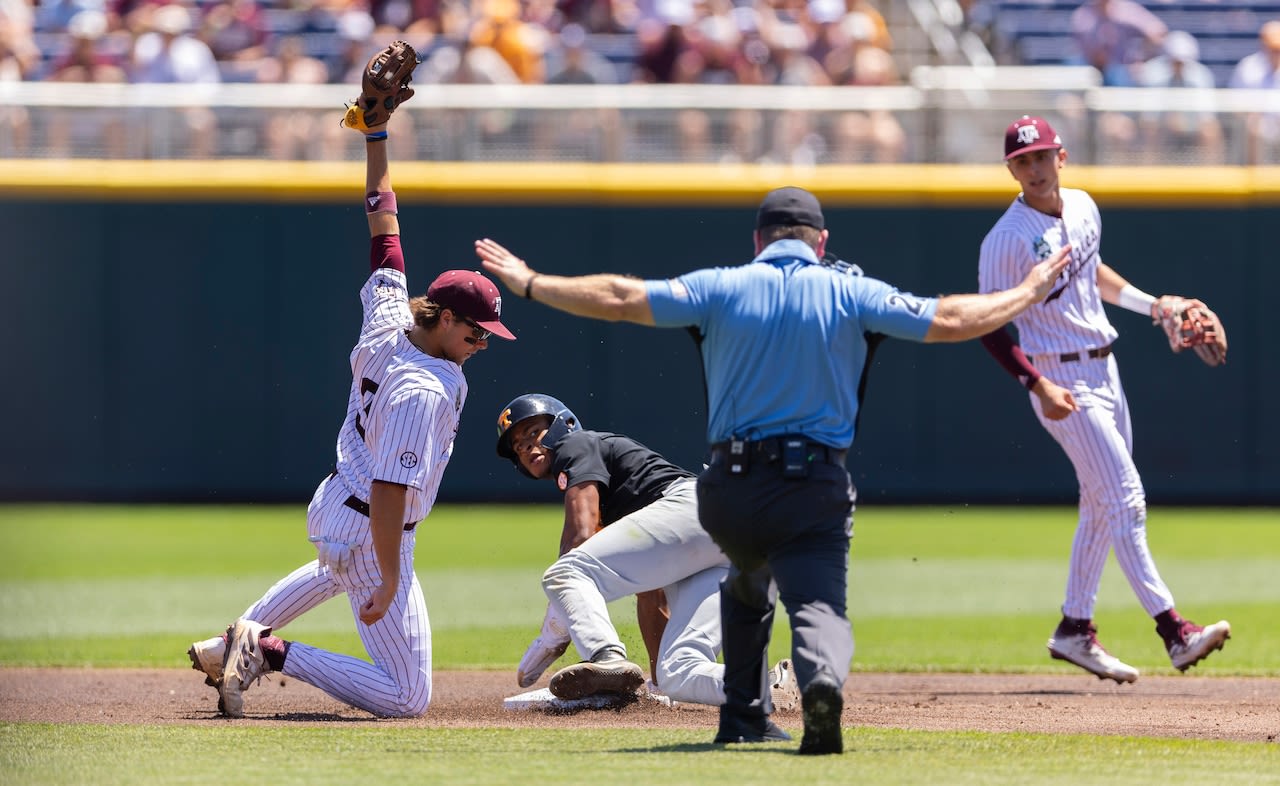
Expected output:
(528, 287)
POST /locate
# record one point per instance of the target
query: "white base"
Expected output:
(542, 699)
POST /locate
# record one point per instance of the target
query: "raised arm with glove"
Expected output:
(384, 87)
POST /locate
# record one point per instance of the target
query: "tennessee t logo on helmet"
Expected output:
(527, 406)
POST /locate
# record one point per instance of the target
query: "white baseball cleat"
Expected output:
(784, 691)
(207, 656)
(244, 663)
(1078, 644)
(1195, 643)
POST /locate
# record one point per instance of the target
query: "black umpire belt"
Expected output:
(776, 449)
(362, 507)
(1071, 357)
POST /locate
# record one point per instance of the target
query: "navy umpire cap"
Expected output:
(788, 206)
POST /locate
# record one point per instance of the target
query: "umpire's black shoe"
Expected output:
(731, 733)
(822, 702)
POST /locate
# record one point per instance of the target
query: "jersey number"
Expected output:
(912, 305)
(367, 388)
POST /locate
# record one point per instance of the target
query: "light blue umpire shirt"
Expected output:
(785, 340)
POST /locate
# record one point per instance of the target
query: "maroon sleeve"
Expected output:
(1010, 356)
(384, 251)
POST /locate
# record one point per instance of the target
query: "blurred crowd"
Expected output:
(748, 42)
(1130, 45)
(716, 42)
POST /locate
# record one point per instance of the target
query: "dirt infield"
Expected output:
(1219, 708)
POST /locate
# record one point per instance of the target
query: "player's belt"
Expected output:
(362, 507)
(1071, 357)
(358, 505)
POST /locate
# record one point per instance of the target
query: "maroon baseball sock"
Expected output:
(1169, 625)
(274, 650)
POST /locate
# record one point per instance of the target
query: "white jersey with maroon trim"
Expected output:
(402, 415)
(1098, 439)
(1072, 318)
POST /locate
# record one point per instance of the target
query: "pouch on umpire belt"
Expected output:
(795, 459)
(739, 458)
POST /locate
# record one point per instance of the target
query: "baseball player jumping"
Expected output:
(407, 393)
(1064, 357)
(630, 527)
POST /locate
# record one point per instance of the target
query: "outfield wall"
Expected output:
(180, 331)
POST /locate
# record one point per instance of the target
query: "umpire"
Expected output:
(785, 340)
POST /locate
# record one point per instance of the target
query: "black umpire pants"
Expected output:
(789, 539)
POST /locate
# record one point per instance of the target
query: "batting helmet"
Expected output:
(563, 421)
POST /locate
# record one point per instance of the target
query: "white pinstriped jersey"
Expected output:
(1072, 317)
(402, 415)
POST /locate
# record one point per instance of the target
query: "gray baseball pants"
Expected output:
(663, 546)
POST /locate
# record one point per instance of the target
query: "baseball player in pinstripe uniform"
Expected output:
(407, 394)
(630, 527)
(1064, 357)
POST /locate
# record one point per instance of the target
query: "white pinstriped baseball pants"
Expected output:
(659, 546)
(1113, 509)
(398, 682)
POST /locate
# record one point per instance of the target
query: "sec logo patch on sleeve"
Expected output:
(562, 481)
(408, 459)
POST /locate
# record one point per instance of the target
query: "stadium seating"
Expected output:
(1038, 32)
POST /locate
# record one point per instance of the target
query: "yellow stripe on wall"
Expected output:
(621, 184)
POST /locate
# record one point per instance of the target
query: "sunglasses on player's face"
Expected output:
(478, 333)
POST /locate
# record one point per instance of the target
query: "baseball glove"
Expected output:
(384, 87)
(546, 649)
(1189, 323)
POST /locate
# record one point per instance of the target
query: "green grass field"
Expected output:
(964, 589)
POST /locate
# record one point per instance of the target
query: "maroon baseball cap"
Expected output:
(1029, 133)
(469, 294)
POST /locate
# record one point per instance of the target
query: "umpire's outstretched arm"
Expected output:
(605, 296)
